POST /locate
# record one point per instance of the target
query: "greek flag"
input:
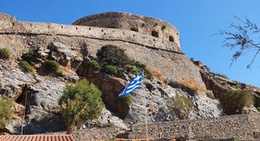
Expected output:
(136, 83)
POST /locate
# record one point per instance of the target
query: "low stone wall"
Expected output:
(242, 127)
(246, 127)
(96, 134)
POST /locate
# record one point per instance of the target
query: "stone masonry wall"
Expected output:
(245, 127)
(141, 24)
(242, 127)
(90, 32)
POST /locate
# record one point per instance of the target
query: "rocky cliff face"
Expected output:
(36, 94)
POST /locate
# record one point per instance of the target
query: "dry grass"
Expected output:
(191, 83)
(158, 74)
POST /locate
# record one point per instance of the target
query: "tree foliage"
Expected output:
(112, 55)
(80, 102)
(235, 100)
(243, 38)
(6, 112)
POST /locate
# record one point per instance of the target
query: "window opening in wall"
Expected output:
(61, 26)
(134, 29)
(111, 26)
(163, 27)
(155, 34)
(171, 39)
(76, 28)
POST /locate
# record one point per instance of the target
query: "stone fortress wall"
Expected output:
(141, 24)
(10, 25)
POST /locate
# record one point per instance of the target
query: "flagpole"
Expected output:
(146, 113)
(146, 134)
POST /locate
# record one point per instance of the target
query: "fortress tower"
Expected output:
(141, 24)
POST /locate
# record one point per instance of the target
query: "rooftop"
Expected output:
(36, 138)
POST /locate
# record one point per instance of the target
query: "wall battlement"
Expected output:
(52, 29)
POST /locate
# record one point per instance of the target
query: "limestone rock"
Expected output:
(65, 55)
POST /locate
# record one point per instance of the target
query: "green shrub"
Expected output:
(115, 56)
(28, 56)
(257, 101)
(112, 55)
(111, 69)
(6, 112)
(51, 66)
(92, 63)
(181, 105)
(5, 53)
(26, 66)
(80, 102)
(234, 101)
(133, 69)
(127, 99)
(122, 102)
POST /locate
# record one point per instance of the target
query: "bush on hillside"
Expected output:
(80, 102)
(127, 99)
(92, 63)
(235, 100)
(111, 69)
(133, 69)
(51, 66)
(5, 53)
(181, 105)
(112, 55)
(257, 102)
(26, 66)
(115, 56)
(28, 56)
(6, 112)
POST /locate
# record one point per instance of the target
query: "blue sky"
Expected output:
(195, 20)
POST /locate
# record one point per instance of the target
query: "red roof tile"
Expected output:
(36, 138)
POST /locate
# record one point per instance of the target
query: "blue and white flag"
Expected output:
(136, 83)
